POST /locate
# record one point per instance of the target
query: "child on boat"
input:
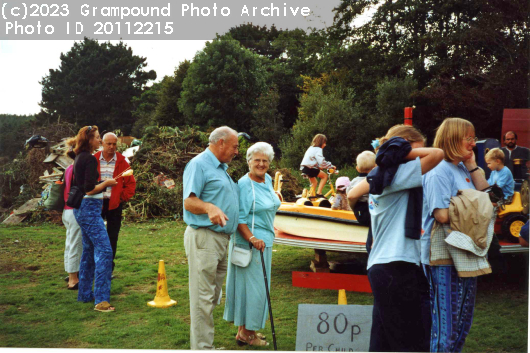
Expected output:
(500, 174)
(314, 161)
(365, 163)
(341, 201)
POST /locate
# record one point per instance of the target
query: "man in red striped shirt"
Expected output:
(110, 164)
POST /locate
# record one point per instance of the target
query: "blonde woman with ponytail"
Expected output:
(396, 277)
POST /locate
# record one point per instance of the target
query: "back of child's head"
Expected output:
(342, 183)
(407, 132)
(495, 154)
(319, 140)
(365, 161)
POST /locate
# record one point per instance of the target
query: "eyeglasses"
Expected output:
(471, 139)
(87, 131)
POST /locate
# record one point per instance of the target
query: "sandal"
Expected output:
(239, 341)
(252, 340)
(104, 307)
(74, 287)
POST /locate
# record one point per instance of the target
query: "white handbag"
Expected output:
(242, 257)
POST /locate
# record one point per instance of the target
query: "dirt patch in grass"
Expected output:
(139, 322)
(11, 267)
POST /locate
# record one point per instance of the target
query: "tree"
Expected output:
(258, 39)
(94, 85)
(392, 96)
(469, 58)
(267, 123)
(167, 110)
(301, 54)
(222, 86)
(144, 108)
(327, 107)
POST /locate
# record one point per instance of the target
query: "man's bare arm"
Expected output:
(197, 206)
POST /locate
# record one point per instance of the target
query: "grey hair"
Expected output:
(260, 147)
(221, 133)
(109, 134)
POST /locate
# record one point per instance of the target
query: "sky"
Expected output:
(23, 63)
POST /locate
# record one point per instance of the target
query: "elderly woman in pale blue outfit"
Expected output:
(246, 300)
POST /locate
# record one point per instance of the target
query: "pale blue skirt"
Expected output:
(246, 299)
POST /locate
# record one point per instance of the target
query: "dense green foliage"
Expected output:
(222, 85)
(259, 39)
(267, 122)
(167, 110)
(144, 107)
(469, 58)
(94, 85)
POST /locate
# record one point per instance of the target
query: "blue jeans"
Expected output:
(96, 259)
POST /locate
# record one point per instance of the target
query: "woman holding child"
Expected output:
(397, 280)
(246, 300)
(452, 297)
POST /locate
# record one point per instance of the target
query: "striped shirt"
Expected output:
(107, 171)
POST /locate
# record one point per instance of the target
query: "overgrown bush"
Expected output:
(19, 179)
(331, 114)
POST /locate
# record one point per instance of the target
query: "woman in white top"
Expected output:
(314, 161)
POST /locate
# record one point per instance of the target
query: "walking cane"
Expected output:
(268, 299)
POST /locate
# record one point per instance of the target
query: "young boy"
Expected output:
(500, 175)
(365, 163)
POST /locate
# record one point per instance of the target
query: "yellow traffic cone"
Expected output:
(342, 297)
(162, 299)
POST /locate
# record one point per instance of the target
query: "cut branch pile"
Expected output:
(164, 150)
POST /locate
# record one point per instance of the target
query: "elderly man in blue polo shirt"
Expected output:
(211, 211)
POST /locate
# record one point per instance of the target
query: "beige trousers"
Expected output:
(207, 262)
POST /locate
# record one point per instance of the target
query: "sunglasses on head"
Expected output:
(87, 131)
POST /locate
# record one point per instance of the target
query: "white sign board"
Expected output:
(333, 328)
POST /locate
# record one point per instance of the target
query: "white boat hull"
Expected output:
(319, 228)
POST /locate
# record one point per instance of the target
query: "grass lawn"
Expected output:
(38, 311)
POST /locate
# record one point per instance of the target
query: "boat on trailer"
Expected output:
(319, 222)
(304, 225)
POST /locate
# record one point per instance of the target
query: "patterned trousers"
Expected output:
(452, 305)
(96, 260)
